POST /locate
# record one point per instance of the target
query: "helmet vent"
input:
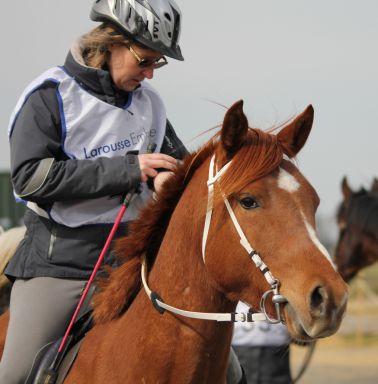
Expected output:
(168, 16)
(176, 28)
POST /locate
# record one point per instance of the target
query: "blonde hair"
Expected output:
(96, 43)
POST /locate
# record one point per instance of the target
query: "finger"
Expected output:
(150, 172)
(143, 177)
(162, 156)
(162, 164)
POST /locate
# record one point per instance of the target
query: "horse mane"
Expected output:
(260, 154)
(358, 211)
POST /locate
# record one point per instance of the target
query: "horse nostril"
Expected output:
(318, 300)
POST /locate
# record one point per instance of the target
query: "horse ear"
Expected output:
(293, 137)
(374, 186)
(345, 188)
(234, 129)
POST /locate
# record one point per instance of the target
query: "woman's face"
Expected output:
(124, 66)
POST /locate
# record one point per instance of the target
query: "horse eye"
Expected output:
(249, 202)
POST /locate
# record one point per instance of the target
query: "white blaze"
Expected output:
(287, 181)
(290, 184)
(314, 237)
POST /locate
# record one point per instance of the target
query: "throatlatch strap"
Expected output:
(234, 317)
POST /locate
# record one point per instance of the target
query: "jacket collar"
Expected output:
(96, 81)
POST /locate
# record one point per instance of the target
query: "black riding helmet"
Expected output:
(152, 23)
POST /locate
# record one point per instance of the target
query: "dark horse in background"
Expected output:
(357, 219)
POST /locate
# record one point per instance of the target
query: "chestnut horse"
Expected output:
(194, 246)
(357, 219)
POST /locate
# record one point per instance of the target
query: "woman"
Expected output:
(81, 136)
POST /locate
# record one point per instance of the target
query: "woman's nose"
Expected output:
(149, 73)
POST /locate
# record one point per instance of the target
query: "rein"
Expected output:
(274, 283)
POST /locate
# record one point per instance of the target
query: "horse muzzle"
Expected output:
(318, 316)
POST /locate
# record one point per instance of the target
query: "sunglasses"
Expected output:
(148, 63)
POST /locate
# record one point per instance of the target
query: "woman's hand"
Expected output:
(150, 162)
(160, 179)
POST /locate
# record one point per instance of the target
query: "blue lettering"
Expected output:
(94, 153)
(133, 138)
(141, 137)
(115, 146)
(85, 154)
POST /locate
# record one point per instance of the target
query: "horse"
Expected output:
(9, 241)
(374, 186)
(165, 314)
(357, 218)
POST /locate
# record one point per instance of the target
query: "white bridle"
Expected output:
(277, 299)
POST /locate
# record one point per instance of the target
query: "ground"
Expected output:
(337, 361)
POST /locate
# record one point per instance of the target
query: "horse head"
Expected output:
(357, 244)
(275, 206)
(236, 222)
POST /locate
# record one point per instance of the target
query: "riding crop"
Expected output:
(125, 203)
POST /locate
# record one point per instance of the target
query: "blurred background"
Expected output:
(279, 56)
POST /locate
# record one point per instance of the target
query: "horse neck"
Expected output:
(179, 274)
(372, 221)
(369, 241)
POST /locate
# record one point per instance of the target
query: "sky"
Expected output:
(276, 55)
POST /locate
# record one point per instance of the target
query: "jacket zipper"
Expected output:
(54, 230)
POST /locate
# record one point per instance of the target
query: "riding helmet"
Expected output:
(155, 24)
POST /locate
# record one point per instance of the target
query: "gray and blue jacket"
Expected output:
(74, 141)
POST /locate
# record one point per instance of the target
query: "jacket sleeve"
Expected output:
(172, 145)
(43, 173)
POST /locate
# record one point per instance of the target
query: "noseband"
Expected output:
(274, 283)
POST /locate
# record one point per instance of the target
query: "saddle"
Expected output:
(51, 367)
